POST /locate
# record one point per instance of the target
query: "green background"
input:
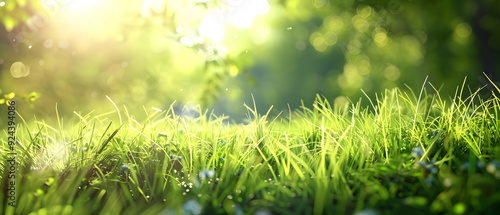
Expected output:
(135, 55)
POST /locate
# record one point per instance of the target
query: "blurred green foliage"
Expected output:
(154, 52)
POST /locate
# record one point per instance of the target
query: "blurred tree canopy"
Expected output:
(219, 52)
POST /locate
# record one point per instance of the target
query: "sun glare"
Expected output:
(83, 5)
(240, 13)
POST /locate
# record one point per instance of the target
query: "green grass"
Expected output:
(399, 152)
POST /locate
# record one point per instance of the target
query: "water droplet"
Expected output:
(289, 28)
(29, 47)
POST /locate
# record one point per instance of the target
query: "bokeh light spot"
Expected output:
(354, 47)
(380, 39)
(333, 23)
(463, 30)
(412, 47)
(49, 4)
(331, 38)
(360, 23)
(233, 71)
(364, 11)
(63, 44)
(364, 66)
(319, 3)
(350, 70)
(19, 70)
(124, 64)
(212, 27)
(48, 43)
(392, 73)
(318, 41)
(260, 35)
(300, 45)
(340, 102)
(186, 41)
